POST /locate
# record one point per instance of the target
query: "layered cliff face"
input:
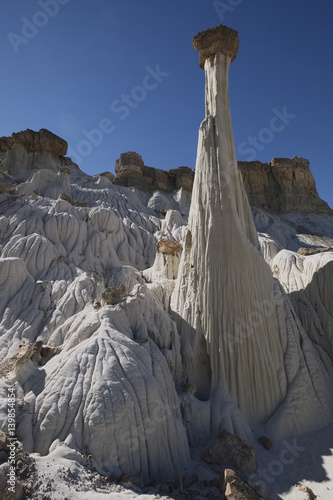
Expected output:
(29, 150)
(132, 172)
(282, 184)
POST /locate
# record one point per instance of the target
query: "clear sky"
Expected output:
(127, 68)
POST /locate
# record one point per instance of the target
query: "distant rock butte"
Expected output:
(132, 172)
(282, 184)
(42, 141)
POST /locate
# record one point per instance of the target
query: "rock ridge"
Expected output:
(28, 151)
(283, 184)
(42, 141)
(132, 172)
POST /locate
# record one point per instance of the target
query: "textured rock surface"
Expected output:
(236, 489)
(114, 295)
(28, 150)
(105, 373)
(313, 251)
(6, 186)
(6, 143)
(3, 441)
(292, 231)
(42, 141)
(104, 377)
(231, 450)
(308, 282)
(214, 40)
(108, 175)
(265, 442)
(168, 247)
(283, 184)
(132, 172)
(228, 307)
(5, 493)
(309, 495)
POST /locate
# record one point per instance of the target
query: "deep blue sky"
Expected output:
(70, 72)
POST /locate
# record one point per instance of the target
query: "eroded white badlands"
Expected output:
(137, 323)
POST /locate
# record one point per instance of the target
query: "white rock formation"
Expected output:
(242, 344)
(308, 282)
(126, 380)
(110, 389)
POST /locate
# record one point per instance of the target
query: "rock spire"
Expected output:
(243, 348)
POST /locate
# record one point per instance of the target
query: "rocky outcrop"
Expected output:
(113, 295)
(265, 442)
(6, 186)
(282, 184)
(218, 39)
(309, 495)
(28, 352)
(66, 197)
(63, 261)
(132, 172)
(313, 251)
(29, 150)
(228, 449)
(237, 489)
(108, 175)
(308, 282)
(105, 366)
(168, 247)
(3, 441)
(6, 143)
(42, 141)
(166, 262)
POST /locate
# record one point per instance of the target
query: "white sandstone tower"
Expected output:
(243, 346)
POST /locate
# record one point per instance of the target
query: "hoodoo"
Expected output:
(244, 349)
(106, 374)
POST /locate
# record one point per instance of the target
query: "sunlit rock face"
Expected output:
(29, 150)
(132, 172)
(282, 184)
(88, 270)
(243, 347)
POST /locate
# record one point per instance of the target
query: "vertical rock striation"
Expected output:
(243, 347)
